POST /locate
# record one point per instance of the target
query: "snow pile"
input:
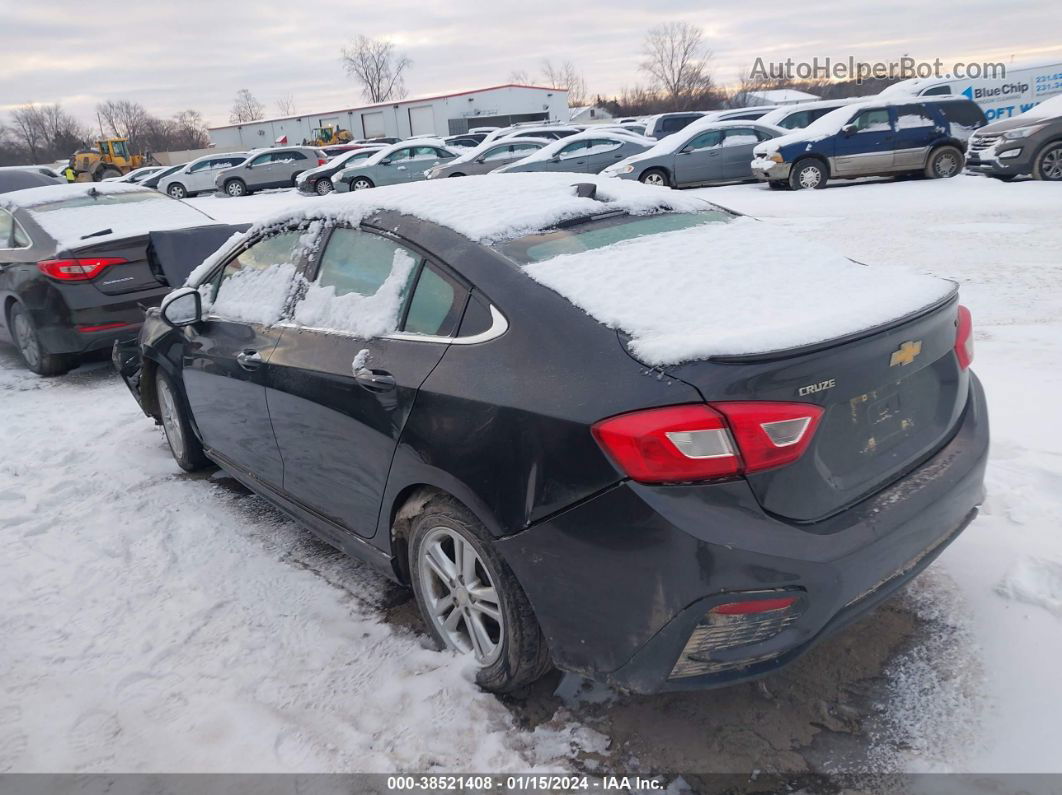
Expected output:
(364, 316)
(1036, 582)
(255, 295)
(732, 288)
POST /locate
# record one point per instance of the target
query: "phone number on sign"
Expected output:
(489, 783)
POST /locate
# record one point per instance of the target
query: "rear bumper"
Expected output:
(620, 582)
(81, 319)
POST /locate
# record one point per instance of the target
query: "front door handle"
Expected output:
(374, 380)
(249, 359)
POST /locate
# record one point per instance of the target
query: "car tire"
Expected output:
(185, 447)
(361, 183)
(655, 176)
(489, 614)
(808, 174)
(776, 184)
(1047, 165)
(177, 191)
(27, 342)
(107, 173)
(235, 188)
(944, 162)
(323, 186)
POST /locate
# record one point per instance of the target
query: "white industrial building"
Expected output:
(446, 114)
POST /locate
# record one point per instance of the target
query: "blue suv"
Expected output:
(874, 138)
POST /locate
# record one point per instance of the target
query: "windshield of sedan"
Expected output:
(96, 200)
(600, 232)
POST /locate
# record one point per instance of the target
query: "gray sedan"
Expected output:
(396, 165)
(487, 157)
(586, 153)
(705, 153)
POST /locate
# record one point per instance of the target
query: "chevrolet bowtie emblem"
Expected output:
(906, 353)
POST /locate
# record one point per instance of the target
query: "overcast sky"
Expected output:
(195, 54)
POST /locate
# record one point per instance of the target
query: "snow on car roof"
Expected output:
(70, 212)
(551, 149)
(382, 153)
(736, 287)
(672, 143)
(473, 152)
(1049, 108)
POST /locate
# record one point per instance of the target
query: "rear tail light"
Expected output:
(964, 345)
(707, 442)
(756, 606)
(76, 270)
(322, 160)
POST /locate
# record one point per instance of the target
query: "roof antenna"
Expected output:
(585, 190)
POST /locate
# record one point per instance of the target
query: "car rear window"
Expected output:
(598, 233)
(99, 200)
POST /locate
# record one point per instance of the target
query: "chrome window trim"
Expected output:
(498, 326)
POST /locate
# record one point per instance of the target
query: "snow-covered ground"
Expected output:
(156, 621)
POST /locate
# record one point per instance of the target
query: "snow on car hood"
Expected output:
(731, 288)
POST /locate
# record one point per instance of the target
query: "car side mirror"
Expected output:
(186, 170)
(385, 162)
(182, 307)
(849, 129)
(555, 159)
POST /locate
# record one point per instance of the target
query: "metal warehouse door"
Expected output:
(422, 120)
(373, 124)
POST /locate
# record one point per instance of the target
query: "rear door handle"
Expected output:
(374, 380)
(249, 359)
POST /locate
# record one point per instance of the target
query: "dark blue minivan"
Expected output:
(874, 138)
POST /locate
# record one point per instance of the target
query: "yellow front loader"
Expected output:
(111, 158)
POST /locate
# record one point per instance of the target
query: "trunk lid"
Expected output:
(127, 277)
(892, 396)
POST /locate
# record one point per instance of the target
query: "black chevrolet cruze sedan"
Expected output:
(590, 423)
(74, 269)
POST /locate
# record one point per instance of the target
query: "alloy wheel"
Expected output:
(171, 420)
(460, 595)
(1051, 164)
(654, 178)
(323, 186)
(361, 184)
(27, 340)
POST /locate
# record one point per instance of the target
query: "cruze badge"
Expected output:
(821, 386)
(906, 353)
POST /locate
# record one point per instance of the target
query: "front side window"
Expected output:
(400, 154)
(256, 284)
(706, 140)
(120, 149)
(261, 160)
(572, 150)
(937, 91)
(361, 285)
(499, 153)
(200, 166)
(873, 121)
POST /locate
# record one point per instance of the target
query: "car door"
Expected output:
(700, 160)
(200, 177)
(374, 322)
(864, 146)
(258, 173)
(604, 152)
(394, 168)
(571, 157)
(425, 158)
(204, 178)
(288, 164)
(916, 131)
(225, 359)
(736, 154)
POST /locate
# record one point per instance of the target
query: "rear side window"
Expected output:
(675, 123)
(795, 121)
(434, 308)
(913, 116)
(361, 285)
(963, 113)
(936, 91)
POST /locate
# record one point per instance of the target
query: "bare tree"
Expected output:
(124, 118)
(378, 67)
(566, 76)
(45, 132)
(286, 105)
(190, 130)
(519, 76)
(245, 107)
(676, 61)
